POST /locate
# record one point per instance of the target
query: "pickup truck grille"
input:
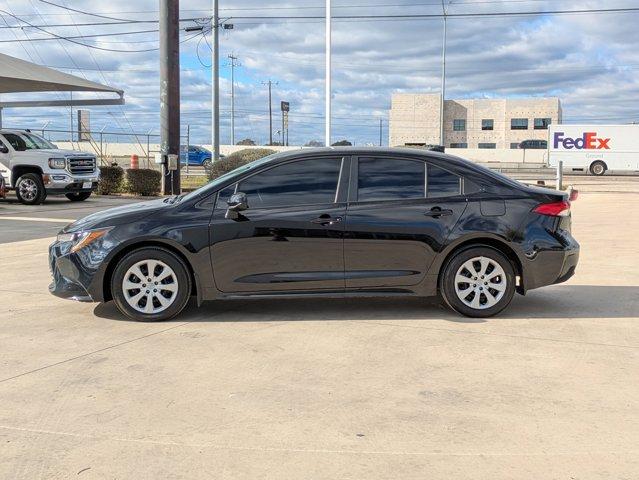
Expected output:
(81, 165)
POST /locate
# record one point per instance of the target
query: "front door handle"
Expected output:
(326, 220)
(437, 212)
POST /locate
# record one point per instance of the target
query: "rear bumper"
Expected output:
(549, 267)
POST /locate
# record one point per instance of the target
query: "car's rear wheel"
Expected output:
(151, 284)
(30, 189)
(598, 168)
(478, 282)
(78, 196)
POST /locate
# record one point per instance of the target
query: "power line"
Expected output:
(411, 16)
(70, 39)
(83, 12)
(87, 36)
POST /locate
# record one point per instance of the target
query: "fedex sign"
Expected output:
(588, 141)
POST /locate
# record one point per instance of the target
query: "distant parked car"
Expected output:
(534, 145)
(197, 155)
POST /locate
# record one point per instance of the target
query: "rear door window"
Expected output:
(390, 179)
(442, 183)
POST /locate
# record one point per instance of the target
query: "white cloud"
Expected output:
(589, 61)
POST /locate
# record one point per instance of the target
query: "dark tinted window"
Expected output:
(305, 182)
(224, 195)
(388, 179)
(442, 183)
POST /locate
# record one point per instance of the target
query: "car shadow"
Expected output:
(559, 301)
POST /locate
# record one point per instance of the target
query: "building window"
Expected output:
(542, 123)
(487, 124)
(487, 145)
(459, 125)
(514, 145)
(519, 124)
(458, 145)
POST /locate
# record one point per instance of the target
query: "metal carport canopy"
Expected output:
(20, 76)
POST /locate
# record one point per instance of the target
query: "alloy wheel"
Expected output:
(480, 282)
(150, 286)
(28, 189)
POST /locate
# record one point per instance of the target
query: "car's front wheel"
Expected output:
(151, 284)
(478, 282)
(78, 196)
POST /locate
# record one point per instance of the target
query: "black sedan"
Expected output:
(325, 222)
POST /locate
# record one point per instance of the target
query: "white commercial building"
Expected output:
(471, 123)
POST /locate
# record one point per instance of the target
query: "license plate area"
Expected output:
(87, 185)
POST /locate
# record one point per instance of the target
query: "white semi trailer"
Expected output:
(594, 148)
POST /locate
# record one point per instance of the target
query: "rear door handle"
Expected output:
(325, 220)
(437, 212)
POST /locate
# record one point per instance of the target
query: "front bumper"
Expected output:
(64, 183)
(72, 277)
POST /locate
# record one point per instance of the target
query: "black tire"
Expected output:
(30, 189)
(447, 282)
(598, 168)
(182, 277)
(207, 164)
(78, 196)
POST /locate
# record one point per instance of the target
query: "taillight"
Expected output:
(554, 209)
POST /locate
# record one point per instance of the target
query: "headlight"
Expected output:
(57, 163)
(81, 239)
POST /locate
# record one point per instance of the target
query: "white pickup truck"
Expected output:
(34, 168)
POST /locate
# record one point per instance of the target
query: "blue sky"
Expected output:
(589, 61)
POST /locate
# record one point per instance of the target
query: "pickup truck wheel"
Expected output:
(30, 189)
(78, 196)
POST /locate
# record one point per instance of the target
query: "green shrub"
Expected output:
(236, 159)
(144, 181)
(110, 180)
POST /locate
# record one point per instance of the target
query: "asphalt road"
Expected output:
(23, 222)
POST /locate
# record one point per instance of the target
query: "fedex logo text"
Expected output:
(588, 141)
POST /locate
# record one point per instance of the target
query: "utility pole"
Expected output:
(380, 132)
(270, 84)
(327, 114)
(233, 58)
(441, 107)
(170, 92)
(215, 73)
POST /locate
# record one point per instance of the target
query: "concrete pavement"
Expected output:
(358, 389)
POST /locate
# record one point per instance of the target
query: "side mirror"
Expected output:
(237, 203)
(4, 149)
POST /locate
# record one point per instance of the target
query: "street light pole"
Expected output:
(215, 80)
(233, 58)
(443, 88)
(327, 132)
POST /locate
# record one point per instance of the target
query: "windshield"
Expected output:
(216, 182)
(27, 141)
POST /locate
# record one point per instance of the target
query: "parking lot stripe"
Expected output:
(38, 219)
